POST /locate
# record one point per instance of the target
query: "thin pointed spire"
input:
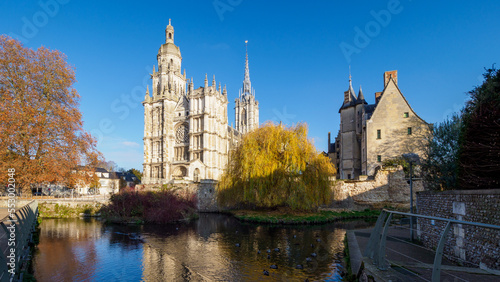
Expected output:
(213, 81)
(352, 95)
(219, 88)
(224, 92)
(247, 85)
(361, 97)
(147, 90)
(206, 81)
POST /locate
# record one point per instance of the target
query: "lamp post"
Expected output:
(411, 158)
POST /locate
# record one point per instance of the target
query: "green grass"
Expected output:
(48, 210)
(347, 258)
(291, 217)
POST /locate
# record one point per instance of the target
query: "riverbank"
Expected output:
(68, 210)
(287, 216)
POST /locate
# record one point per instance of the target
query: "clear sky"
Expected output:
(299, 53)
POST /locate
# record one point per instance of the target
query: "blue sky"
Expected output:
(299, 54)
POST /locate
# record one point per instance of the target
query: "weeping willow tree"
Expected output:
(275, 166)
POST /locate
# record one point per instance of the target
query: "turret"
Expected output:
(361, 97)
(169, 32)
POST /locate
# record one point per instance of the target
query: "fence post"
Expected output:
(436, 270)
(380, 260)
(374, 241)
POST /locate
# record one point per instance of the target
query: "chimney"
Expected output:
(378, 95)
(346, 97)
(390, 74)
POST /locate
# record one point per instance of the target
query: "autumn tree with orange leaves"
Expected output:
(41, 127)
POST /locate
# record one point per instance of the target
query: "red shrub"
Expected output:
(154, 207)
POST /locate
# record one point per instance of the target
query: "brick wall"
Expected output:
(480, 246)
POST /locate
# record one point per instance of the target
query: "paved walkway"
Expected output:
(409, 262)
(3, 213)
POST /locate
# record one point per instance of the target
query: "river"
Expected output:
(213, 247)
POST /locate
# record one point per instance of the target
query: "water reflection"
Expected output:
(215, 247)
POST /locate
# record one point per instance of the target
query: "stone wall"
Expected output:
(480, 246)
(388, 188)
(205, 191)
(207, 197)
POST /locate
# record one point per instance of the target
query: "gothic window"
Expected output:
(182, 134)
(244, 117)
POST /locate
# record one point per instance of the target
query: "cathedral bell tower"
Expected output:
(247, 108)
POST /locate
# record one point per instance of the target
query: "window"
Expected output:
(407, 114)
(409, 130)
(379, 134)
(348, 176)
(379, 158)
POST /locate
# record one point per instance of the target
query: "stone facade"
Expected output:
(372, 133)
(479, 246)
(186, 131)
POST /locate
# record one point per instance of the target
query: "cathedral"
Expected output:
(186, 133)
(369, 134)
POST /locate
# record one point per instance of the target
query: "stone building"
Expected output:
(186, 131)
(372, 133)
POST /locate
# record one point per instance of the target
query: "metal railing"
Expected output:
(376, 247)
(23, 223)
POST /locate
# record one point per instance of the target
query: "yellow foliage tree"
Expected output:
(275, 166)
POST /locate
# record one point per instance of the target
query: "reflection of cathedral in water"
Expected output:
(215, 247)
(207, 250)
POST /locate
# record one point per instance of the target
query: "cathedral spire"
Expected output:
(247, 85)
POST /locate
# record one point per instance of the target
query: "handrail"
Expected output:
(376, 245)
(485, 225)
